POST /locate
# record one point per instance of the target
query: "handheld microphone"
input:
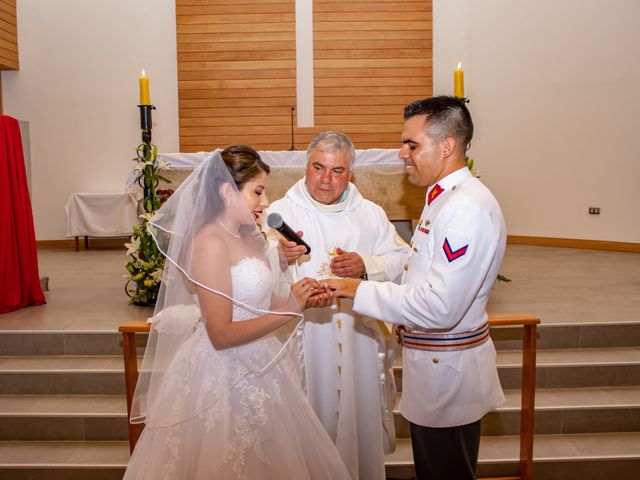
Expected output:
(274, 220)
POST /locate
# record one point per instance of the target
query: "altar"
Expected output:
(378, 173)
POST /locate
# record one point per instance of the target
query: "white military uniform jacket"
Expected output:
(348, 368)
(458, 247)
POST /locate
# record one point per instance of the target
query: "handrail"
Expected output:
(129, 330)
(527, 403)
(528, 322)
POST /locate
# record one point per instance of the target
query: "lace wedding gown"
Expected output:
(215, 419)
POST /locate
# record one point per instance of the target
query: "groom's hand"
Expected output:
(342, 287)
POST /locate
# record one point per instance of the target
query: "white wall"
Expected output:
(553, 88)
(78, 88)
(554, 96)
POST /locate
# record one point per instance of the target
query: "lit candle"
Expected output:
(458, 81)
(145, 98)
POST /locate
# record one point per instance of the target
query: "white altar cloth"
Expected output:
(374, 157)
(378, 173)
(287, 159)
(101, 214)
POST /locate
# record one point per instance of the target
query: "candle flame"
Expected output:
(459, 67)
(144, 75)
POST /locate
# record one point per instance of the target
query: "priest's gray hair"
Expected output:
(333, 141)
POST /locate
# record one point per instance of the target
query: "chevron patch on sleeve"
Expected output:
(452, 254)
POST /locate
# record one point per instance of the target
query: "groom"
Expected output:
(450, 379)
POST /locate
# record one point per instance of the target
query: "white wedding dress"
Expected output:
(213, 418)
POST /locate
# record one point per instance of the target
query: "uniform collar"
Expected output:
(444, 184)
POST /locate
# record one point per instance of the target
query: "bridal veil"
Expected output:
(179, 229)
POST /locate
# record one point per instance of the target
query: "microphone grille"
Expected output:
(274, 220)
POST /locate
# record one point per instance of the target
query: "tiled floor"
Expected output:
(569, 286)
(560, 285)
(86, 294)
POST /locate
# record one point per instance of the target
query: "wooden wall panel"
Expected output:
(8, 36)
(236, 72)
(237, 79)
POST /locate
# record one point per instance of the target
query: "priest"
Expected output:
(348, 356)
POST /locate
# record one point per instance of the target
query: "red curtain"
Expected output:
(19, 277)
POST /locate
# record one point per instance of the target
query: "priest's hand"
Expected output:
(342, 287)
(347, 264)
(291, 250)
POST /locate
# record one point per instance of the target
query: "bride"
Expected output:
(219, 391)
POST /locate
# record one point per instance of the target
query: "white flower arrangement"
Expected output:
(146, 262)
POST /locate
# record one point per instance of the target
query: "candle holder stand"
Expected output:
(146, 261)
(145, 122)
(145, 153)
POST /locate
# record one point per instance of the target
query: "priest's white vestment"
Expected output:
(348, 357)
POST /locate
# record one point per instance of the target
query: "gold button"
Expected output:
(406, 267)
(339, 370)
(427, 222)
(453, 188)
(340, 347)
(435, 359)
(415, 249)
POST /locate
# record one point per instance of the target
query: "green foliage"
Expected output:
(471, 167)
(146, 263)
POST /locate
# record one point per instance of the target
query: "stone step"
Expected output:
(552, 336)
(580, 367)
(63, 460)
(56, 342)
(556, 457)
(89, 417)
(103, 417)
(561, 411)
(62, 375)
(595, 456)
(63, 417)
(103, 374)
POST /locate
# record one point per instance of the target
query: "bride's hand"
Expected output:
(308, 293)
(322, 297)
